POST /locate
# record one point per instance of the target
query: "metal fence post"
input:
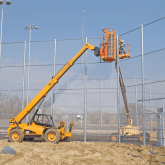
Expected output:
(142, 67)
(54, 73)
(150, 123)
(162, 96)
(136, 102)
(55, 45)
(150, 109)
(158, 142)
(51, 104)
(101, 103)
(119, 98)
(23, 85)
(118, 106)
(67, 104)
(85, 95)
(160, 128)
(28, 79)
(163, 140)
(162, 124)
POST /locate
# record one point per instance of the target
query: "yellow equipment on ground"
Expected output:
(108, 53)
(41, 125)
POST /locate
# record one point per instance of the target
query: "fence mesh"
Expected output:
(65, 102)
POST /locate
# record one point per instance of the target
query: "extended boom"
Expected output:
(42, 125)
(50, 84)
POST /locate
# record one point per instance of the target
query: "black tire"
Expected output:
(16, 135)
(147, 137)
(52, 136)
(114, 137)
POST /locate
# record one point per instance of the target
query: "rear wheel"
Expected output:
(16, 135)
(114, 137)
(147, 137)
(52, 135)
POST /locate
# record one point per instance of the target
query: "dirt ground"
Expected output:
(81, 153)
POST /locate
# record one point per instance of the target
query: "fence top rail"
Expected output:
(103, 114)
(143, 26)
(157, 81)
(160, 98)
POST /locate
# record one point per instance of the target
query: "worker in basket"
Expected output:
(121, 46)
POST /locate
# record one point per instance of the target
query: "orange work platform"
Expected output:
(108, 46)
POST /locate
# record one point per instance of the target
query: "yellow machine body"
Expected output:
(129, 130)
(35, 130)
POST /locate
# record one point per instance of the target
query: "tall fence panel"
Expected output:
(93, 110)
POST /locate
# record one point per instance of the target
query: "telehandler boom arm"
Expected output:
(50, 85)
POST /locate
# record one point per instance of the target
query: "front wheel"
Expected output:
(52, 135)
(15, 135)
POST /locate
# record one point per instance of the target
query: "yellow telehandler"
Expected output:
(41, 125)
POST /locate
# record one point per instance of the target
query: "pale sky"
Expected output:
(63, 20)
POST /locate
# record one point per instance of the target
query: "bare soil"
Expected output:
(81, 153)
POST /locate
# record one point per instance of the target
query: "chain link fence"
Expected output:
(66, 101)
